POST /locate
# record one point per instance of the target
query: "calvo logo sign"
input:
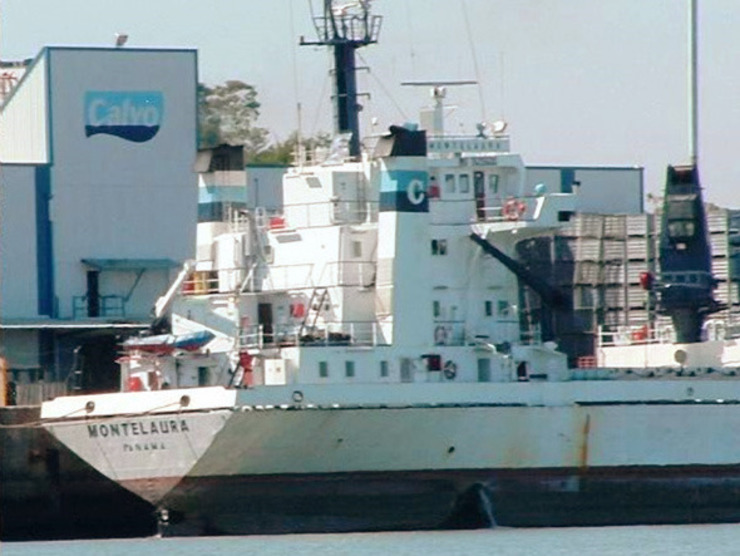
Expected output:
(131, 115)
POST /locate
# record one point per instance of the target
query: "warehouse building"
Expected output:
(99, 201)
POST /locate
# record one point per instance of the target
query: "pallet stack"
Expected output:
(599, 259)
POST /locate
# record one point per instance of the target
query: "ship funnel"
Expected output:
(403, 304)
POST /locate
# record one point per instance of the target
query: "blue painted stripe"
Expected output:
(398, 201)
(44, 250)
(222, 194)
(404, 191)
(398, 180)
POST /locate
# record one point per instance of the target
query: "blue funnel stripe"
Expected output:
(404, 191)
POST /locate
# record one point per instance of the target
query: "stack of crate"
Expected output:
(610, 252)
(724, 237)
(599, 259)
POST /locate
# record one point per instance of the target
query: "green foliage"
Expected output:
(284, 152)
(227, 114)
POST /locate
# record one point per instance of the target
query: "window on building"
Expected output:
(323, 369)
(356, 249)
(449, 183)
(436, 309)
(503, 308)
(384, 369)
(349, 369)
(464, 183)
(489, 308)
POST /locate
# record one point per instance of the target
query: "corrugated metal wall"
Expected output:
(24, 118)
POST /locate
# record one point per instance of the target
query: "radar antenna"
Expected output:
(346, 27)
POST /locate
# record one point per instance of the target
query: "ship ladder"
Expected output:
(319, 296)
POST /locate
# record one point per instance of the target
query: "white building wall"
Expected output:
(118, 199)
(23, 120)
(18, 275)
(604, 190)
(264, 187)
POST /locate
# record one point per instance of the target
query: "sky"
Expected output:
(580, 82)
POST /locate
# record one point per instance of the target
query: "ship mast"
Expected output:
(687, 284)
(346, 27)
(693, 88)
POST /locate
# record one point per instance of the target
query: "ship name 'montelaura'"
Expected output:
(138, 428)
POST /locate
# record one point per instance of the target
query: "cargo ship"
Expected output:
(356, 363)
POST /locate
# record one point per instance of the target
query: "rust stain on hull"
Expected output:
(584, 442)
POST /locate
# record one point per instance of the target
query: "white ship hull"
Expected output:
(503, 456)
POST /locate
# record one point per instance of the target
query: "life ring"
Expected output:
(450, 370)
(514, 209)
(440, 335)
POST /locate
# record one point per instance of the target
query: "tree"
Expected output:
(283, 152)
(228, 113)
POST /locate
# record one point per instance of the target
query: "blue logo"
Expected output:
(131, 115)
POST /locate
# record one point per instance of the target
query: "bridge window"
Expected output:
(493, 184)
(323, 369)
(681, 215)
(681, 229)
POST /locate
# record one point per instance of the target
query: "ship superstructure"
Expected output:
(356, 362)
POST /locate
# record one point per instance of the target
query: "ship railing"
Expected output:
(287, 277)
(458, 333)
(359, 274)
(356, 333)
(645, 333)
(356, 274)
(532, 335)
(323, 213)
(239, 278)
(351, 27)
(108, 306)
(508, 209)
(501, 209)
(635, 334)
